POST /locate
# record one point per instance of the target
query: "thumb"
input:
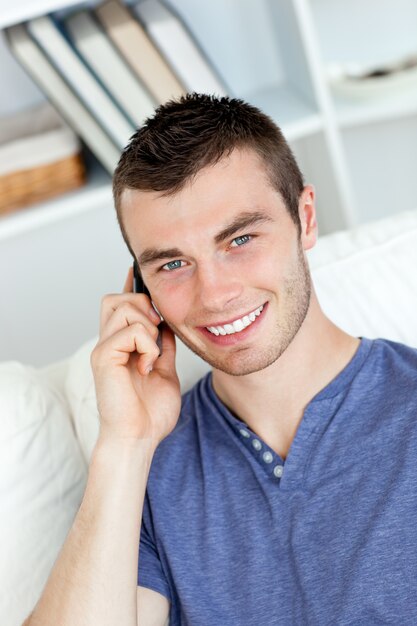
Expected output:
(165, 364)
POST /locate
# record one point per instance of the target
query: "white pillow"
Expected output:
(81, 396)
(42, 480)
(366, 278)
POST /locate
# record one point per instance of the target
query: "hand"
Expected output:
(132, 403)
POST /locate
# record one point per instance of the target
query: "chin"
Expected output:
(239, 363)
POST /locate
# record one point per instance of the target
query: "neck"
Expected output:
(272, 401)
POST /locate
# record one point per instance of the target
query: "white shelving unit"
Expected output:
(378, 133)
(273, 53)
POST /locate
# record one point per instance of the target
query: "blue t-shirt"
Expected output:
(234, 536)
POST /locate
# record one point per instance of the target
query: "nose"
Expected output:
(217, 287)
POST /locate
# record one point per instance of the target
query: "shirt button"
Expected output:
(267, 457)
(244, 432)
(256, 444)
(278, 469)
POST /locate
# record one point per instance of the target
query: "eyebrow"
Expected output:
(240, 221)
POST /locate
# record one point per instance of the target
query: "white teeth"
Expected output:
(237, 326)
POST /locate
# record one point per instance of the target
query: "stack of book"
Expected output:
(107, 68)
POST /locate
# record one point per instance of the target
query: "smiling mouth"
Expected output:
(237, 325)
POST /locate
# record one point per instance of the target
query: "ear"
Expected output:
(308, 218)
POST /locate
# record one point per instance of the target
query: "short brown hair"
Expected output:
(195, 131)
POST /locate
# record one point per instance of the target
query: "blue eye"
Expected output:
(243, 239)
(174, 265)
(171, 265)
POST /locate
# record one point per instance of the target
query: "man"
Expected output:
(280, 489)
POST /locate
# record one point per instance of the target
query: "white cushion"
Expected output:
(42, 480)
(366, 279)
(81, 395)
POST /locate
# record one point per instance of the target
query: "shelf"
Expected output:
(283, 72)
(16, 12)
(296, 117)
(358, 112)
(371, 33)
(97, 191)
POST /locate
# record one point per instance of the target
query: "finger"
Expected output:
(165, 363)
(127, 315)
(111, 302)
(128, 286)
(131, 340)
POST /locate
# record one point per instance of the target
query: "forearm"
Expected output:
(94, 580)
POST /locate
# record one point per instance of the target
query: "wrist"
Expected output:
(117, 446)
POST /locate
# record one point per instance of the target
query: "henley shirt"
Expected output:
(233, 535)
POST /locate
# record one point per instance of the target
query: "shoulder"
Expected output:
(389, 375)
(393, 357)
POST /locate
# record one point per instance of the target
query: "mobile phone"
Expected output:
(140, 287)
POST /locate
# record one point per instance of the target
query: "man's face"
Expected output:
(210, 281)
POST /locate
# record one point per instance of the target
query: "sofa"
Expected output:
(366, 281)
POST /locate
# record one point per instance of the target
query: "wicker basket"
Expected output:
(40, 157)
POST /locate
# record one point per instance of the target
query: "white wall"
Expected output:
(51, 284)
